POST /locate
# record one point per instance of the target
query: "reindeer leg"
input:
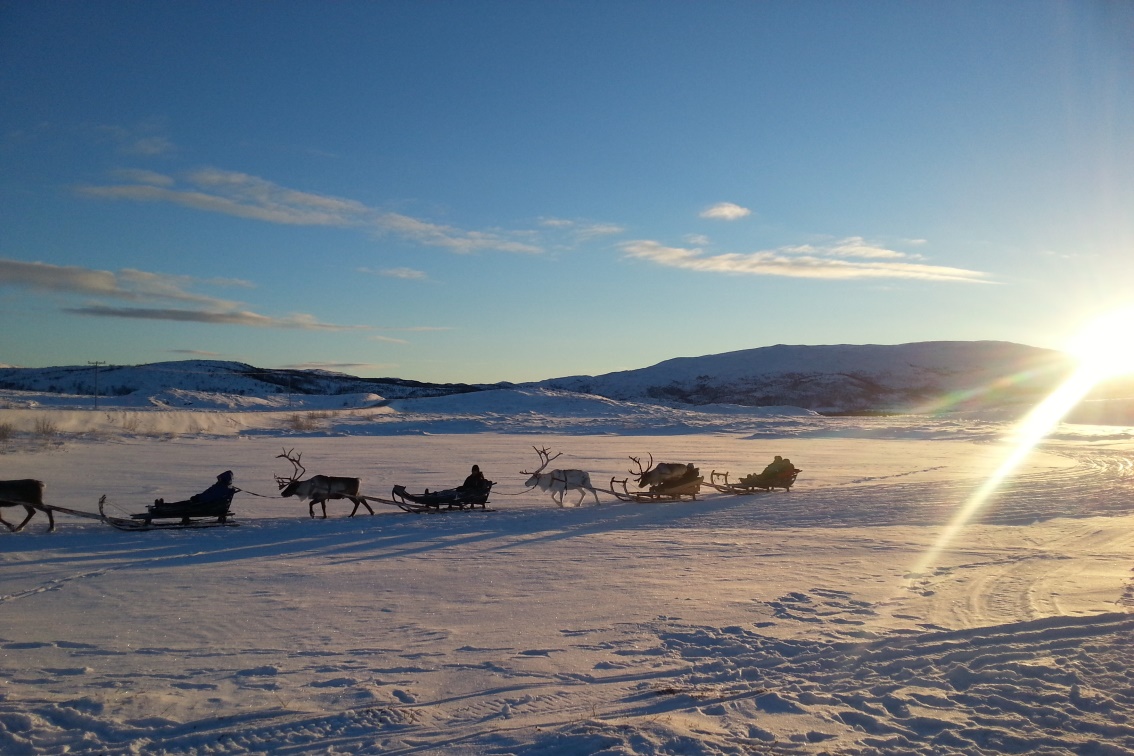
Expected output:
(365, 504)
(31, 514)
(311, 508)
(7, 524)
(582, 495)
(51, 520)
(595, 494)
(323, 504)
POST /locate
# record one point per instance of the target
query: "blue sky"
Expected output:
(484, 191)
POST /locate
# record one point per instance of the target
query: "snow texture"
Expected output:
(828, 619)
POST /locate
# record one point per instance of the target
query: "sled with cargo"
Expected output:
(663, 482)
(754, 482)
(165, 515)
(446, 500)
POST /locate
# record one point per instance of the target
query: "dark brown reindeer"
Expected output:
(318, 488)
(26, 493)
(663, 472)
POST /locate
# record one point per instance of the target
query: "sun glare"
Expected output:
(1104, 346)
(1103, 349)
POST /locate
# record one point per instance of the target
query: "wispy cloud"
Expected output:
(143, 286)
(406, 274)
(126, 284)
(245, 196)
(581, 231)
(298, 321)
(340, 366)
(140, 176)
(408, 329)
(728, 211)
(194, 352)
(595, 230)
(850, 258)
(143, 140)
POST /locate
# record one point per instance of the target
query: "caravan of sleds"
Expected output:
(212, 507)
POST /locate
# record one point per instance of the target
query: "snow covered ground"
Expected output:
(805, 622)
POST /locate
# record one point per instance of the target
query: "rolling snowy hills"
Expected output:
(916, 377)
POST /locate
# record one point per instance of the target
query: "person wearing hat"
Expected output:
(475, 481)
(222, 490)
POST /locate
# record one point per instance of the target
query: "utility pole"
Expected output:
(96, 363)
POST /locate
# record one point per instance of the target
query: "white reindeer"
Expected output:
(559, 482)
(319, 488)
(26, 493)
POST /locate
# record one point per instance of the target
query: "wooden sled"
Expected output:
(752, 483)
(677, 490)
(447, 500)
(184, 514)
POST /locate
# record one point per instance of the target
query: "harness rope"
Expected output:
(253, 493)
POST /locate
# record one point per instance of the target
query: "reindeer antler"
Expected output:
(297, 468)
(638, 461)
(544, 459)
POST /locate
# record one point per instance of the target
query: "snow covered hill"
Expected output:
(842, 378)
(166, 383)
(845, 378)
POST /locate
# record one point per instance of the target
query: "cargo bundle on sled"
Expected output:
(665, 482)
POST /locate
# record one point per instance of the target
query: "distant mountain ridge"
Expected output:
(841, 378)
(219, 377)
(838, 378)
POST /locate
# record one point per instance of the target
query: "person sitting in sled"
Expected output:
(222, 490)
(778, 465)
(215, 496)
(475, 482)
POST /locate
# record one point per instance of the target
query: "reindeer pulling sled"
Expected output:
(666, 482)
(559, 482)
(319, 489)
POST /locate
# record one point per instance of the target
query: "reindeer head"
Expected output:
(544, 457)
(642, 472)
(288, 485)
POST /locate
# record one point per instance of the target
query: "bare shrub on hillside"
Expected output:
(44, 428)
(305, 421)
(6, 431)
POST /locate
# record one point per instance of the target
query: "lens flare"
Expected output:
(1103, 351)
(1104, 346)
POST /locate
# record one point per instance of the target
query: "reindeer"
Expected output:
(318, 488)
(664, 472)
(26, 493)
(559, 481)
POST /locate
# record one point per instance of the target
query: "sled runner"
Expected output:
(446, 500)
(184, 514)
(754, 482)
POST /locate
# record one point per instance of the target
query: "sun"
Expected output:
(1105, 346)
